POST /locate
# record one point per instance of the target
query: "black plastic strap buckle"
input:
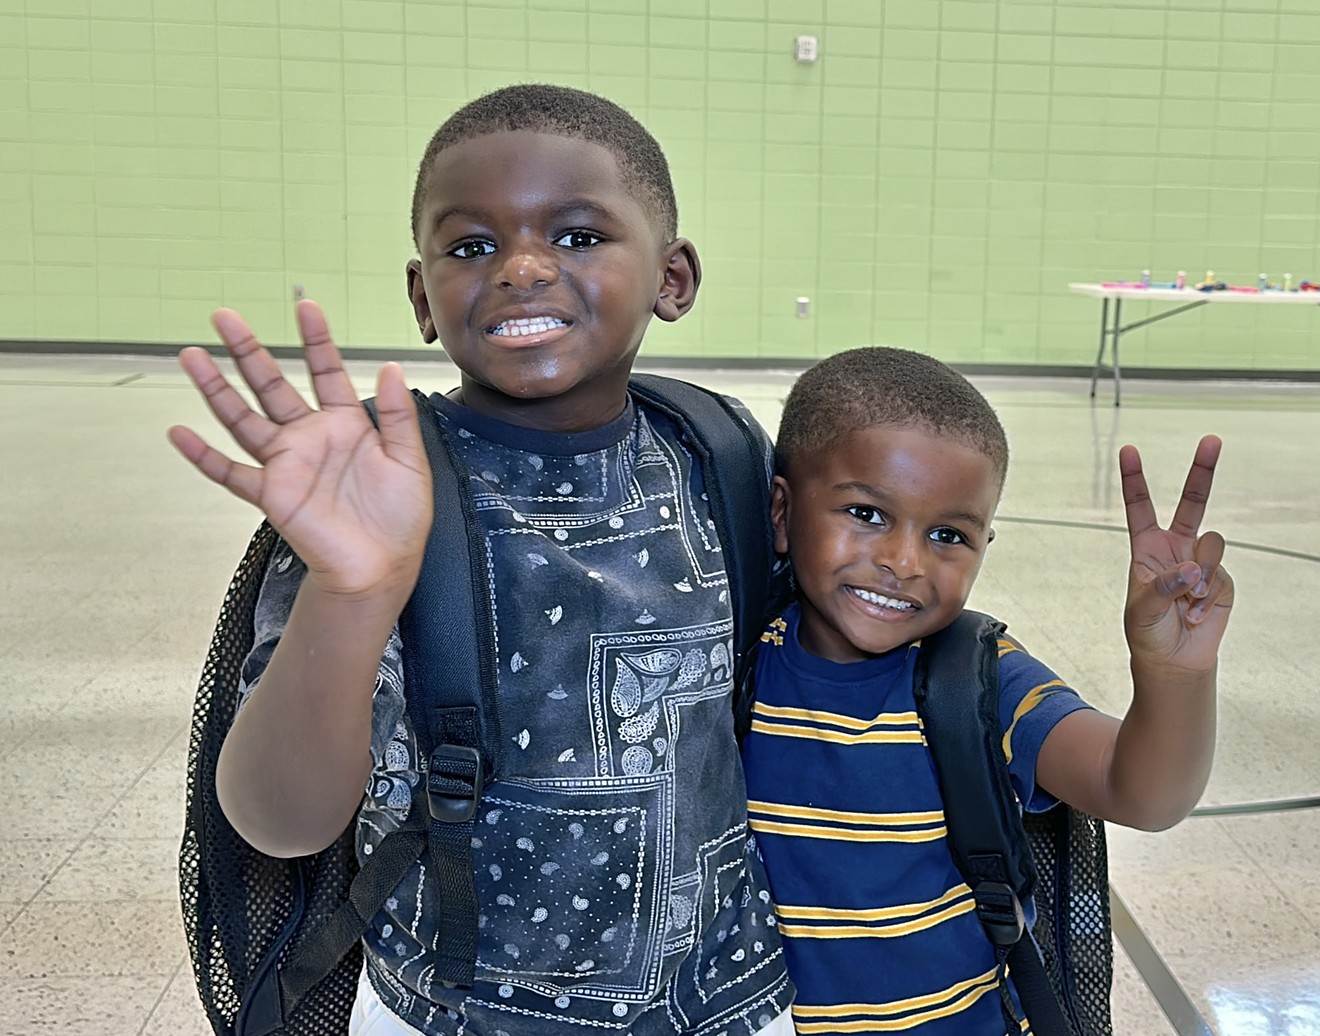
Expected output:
(453, 783)
(1000, 912)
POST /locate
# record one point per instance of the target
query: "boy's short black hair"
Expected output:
(565, 112)
(878, 386)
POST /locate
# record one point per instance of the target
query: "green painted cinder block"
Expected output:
(232, 148)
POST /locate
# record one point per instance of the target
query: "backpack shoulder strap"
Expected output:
(960, 718)
(449, 673)
(733, 462)
(451, 679)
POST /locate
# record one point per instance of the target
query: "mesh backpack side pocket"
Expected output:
(243, 911)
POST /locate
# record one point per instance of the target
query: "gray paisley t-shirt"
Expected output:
(618, 888)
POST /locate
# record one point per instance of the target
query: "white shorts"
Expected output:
(372, 1018)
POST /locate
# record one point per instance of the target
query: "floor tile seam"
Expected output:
(137, 382)
(160, 998)
(131, 650)
(23, 905)
(1136, 981)
(166, 379)
(95, 825)
(18, 980)
(1183, 1015)
(1089, 526)
(1288, 893)
(1259, 808)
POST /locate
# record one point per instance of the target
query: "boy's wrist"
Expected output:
(389, 593)
(1166, 677)
(378, 608)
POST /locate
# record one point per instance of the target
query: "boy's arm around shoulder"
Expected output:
(1149, 770)
(354, 502)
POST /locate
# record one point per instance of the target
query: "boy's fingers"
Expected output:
(1196, 489)
(1208, 553)
(330, 381)
(278, 398)
(1177, 581)
(249, 429)
(242, 480)
(396, 414)
(1138, 508)
(1219, 594)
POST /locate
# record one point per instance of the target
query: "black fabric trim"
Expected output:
(534, 440)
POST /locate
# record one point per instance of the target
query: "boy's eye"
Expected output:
(867, 514)
(473, 248)
(950, 537)
(579, 239)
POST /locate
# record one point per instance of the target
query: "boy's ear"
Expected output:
(417, 296)
(682, 278)
(779, 504)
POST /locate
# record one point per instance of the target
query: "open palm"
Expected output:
(354, 501)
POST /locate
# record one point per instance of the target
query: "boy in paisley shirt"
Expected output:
(611, 865)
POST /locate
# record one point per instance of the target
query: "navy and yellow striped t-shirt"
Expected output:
(880, 932)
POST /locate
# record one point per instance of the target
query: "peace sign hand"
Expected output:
(1179, 596)
(354, 501)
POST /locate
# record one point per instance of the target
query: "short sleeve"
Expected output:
(279, 587)
(1032, 699)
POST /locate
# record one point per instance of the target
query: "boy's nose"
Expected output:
(527, 267)
(901, 554)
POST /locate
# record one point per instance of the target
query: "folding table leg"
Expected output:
(1100, 353)
(1117, 333)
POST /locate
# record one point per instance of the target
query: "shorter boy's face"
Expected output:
(886, 530)
(539, 272)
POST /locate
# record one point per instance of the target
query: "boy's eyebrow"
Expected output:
(475, 215)
(584, 206)
(876, 494)
(574, 206)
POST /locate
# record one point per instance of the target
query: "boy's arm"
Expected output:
(1149, 770)
(354, 502)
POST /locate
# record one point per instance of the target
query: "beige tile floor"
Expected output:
(114, 555)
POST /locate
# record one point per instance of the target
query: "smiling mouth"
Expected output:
(884, 602)
(525, 327)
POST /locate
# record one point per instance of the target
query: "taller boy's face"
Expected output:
(886, 530)
(539, 273)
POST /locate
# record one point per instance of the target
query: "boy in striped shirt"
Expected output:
(891, 467)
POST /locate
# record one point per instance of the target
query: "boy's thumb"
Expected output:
(1179, 580)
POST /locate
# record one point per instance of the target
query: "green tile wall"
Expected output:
(934, 181)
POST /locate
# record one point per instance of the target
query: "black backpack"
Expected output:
(1063, 970)
(276, 943)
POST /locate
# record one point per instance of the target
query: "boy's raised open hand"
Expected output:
(353, 501)
(1179, 596)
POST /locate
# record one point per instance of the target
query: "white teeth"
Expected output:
(527, 326)
(884, 602)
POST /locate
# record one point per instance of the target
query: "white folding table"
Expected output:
(1112, 327)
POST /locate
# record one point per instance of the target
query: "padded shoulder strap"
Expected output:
(446, 626)
(449, 657)
(961, 721)
(449, 672)
(957, 692)
(451, 679)
(733, 463)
